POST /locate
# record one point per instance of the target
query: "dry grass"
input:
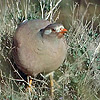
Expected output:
(78, 77)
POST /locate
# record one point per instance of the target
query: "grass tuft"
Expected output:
(79, 75)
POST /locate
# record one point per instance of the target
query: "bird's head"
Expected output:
(57, 29)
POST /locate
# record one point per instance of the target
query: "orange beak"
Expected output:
(61, 33)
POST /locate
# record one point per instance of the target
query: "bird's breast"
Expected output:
(51, 55)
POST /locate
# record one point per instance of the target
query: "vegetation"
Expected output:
(79, 75)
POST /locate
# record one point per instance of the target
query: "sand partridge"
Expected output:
(39, 46)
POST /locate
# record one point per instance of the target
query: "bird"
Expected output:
(39, 46)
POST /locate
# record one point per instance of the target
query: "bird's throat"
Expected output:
(60, 35)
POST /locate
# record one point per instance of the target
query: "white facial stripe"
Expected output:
(47, 32)
(58, 28)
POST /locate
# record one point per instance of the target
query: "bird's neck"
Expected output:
(51, 37)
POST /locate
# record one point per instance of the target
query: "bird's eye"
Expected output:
(53, 30)
(61, 29)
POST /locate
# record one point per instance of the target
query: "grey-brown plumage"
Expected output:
(35, 50)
